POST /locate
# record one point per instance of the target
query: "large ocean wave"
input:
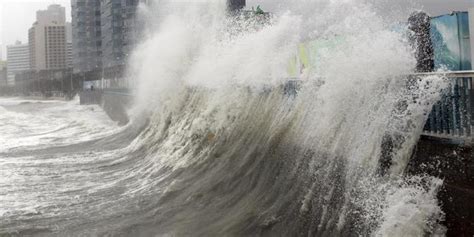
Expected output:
(217, 146)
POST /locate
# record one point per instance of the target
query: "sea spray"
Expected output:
(336, 123)
(226, 148)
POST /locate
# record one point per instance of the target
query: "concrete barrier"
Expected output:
(90, 97)
(449, 159)
(115, 102)
(455, 165)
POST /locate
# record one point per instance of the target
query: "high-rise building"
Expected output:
(69, 53)
(54, 14)
(104, 34)
(47, 39)
(3, 72)
(18, 60)
(119, 30)
(86, 35)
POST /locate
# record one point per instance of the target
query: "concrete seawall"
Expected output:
(443, 158)
(454, 164)
(114, 102)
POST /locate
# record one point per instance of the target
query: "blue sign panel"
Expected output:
(450, 37)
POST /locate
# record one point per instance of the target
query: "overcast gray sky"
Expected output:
(16, 16)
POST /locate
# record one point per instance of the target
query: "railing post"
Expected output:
(453, 116)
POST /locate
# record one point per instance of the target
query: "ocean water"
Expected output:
(215, 146)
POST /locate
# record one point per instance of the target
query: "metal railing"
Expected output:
(453, 116)
(87, 97)
(90, 97)
(119, 91)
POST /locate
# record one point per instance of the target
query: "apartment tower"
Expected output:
(47, 39)
(18, 60)
(87, 35)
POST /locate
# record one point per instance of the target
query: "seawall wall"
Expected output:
(454, 163)
(114, 102)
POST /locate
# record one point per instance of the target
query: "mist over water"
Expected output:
(217, 147)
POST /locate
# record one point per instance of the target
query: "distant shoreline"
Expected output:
(60, 98)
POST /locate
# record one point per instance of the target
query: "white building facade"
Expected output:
(47, 39)
(18, 60)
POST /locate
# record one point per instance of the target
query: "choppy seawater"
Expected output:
(217, 147)
(67, 170)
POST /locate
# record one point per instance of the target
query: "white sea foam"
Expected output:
(30, 123)
(361, 83)
(225, 150)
